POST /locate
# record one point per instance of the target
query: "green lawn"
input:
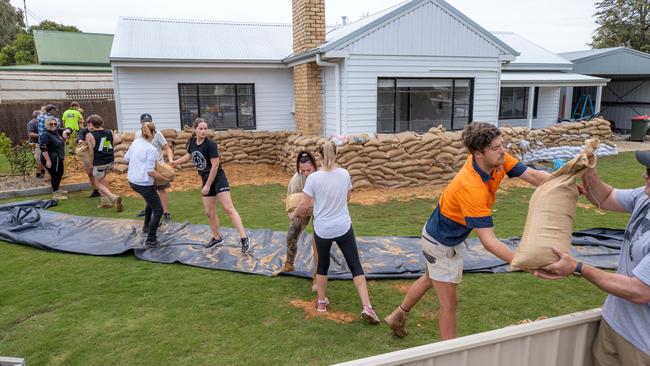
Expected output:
(66, 309)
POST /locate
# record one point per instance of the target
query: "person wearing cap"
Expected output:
(624, 332)
(160, 143)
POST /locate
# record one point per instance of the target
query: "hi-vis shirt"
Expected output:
(103, 152)
(466, 203)
(71, 118)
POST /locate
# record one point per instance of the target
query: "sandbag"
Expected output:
(551, 211)
(166, 171)
(292, 202)
(82, 153)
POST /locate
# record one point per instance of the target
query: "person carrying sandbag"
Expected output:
(305, 165)
(142, 157)
(465, 205)
(623, 336)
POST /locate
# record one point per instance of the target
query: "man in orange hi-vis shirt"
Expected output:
(465, 204)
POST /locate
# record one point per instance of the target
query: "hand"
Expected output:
(48, 164)
(582, 189)
(81, 143)
(292, 215)
(65, 134)
(562, 268)
(173, 163)
(205, 190)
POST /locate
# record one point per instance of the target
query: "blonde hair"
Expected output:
(328, 154)
(148, 129)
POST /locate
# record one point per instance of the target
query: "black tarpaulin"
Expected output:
(29, 223)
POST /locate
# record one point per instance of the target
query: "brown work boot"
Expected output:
(117, 200)
(397, 322)
(288, 267)
(104, 203)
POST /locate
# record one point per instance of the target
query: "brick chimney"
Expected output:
(308, 32)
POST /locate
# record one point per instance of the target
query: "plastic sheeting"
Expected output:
(29, 223)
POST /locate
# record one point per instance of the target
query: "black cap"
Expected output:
(145, 117)
(50, 107)
(643, 157)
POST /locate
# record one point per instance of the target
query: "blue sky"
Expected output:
(557, 25)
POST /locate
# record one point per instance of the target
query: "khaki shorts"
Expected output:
(611, 349)
(101, 171)
(444, 264)
(36, 148)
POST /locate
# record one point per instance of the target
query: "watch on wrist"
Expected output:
(578, 271)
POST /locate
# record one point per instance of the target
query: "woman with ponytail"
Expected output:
(329, 191)
(205, 156)
(142, 157)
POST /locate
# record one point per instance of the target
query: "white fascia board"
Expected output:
(301, 61)
(344, 53)
(553, 83)
(180, 64)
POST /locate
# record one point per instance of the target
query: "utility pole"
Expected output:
(25, 11)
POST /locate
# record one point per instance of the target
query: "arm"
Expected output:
(628, 288)
(90, 141)
(493, 245)
(534, 176)
(211, 176)
(170, 153)
(600, 193)
(301, 210)
(183, 159)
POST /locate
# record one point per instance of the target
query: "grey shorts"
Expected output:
(101, 171)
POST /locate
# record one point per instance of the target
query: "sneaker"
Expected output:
(64, 192)
(141, 213)
(166, 216)
(397, 322)
(245, 245)
(95, 193)
(214, 242)
(321, 305)
(118, 204)
(58, 195)
(368, 313)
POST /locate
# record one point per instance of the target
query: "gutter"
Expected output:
(337, 89)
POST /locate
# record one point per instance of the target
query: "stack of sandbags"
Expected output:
(178, 144)
(121, 143)
(250, 147)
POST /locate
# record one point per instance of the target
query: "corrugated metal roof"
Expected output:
(532, 56)
(549, 78)
(577, 55)
(189, 40)
(72, 48)
(65, 68)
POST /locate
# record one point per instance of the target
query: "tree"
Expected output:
(622, 23)
(22, 50)
(11, 22)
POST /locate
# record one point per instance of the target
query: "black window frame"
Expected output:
(470, 117)
(198, 103)
(526, 88)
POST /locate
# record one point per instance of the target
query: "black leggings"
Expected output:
(56, 172)
(153, 211)
(348, 246)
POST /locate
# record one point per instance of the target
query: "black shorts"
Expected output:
(220, 183)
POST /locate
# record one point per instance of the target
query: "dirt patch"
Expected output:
(527, 321)
(589, 206)
(623, 146)
(12, 183)
(402, 288)
(309, 308)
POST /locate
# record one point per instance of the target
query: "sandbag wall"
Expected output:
(386, 160)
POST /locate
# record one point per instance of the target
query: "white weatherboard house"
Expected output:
(415, 65)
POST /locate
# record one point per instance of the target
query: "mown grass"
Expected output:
(67, 309)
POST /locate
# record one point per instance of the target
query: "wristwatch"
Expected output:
(578, 271)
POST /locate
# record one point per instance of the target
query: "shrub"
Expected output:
(20, 156)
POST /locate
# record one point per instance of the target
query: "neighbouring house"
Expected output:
(70, 64)
(415, 65)
(628, 93)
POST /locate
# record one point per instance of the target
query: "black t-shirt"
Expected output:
(103, 153)
(81, 135)
(201, 155)
(54, 144)
(32, 127)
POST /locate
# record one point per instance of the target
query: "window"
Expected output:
(514, 103)
(419, 104)
(223, 106)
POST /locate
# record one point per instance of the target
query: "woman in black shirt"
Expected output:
(100, 147)
(205, 156)
(52, 144)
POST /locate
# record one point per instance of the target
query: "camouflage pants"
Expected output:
(296, 228)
